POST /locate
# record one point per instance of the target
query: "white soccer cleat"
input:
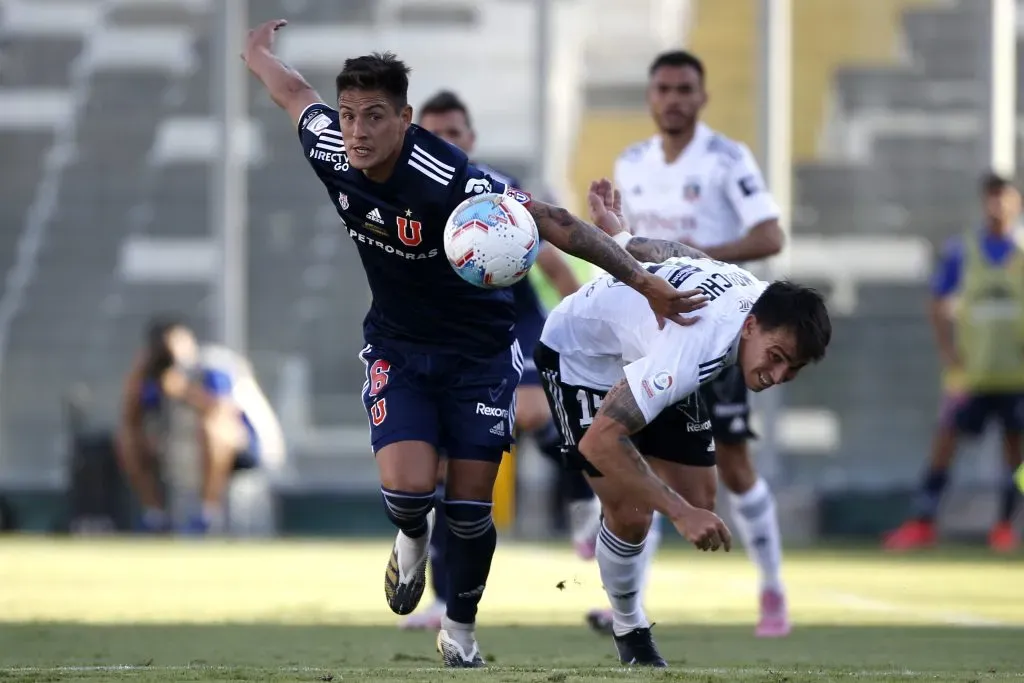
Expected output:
(458, 647)
(405, 578)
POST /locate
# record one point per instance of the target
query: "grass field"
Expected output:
(314, 611)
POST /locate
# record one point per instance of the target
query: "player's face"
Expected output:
(372, 128)
(767, 357)
(182, 345)
(676, 95)
(452, 127)
(1003, 206)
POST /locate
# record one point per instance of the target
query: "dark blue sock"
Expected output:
(438, 550)
(928, 498)
(471, 542)
(408, 511)
(1008, 499)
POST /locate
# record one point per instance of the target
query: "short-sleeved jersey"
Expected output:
(605, 331)
(713, 193)
(398, 228)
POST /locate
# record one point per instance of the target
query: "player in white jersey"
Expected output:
(691, 184)
(625, 394)
(235, 429)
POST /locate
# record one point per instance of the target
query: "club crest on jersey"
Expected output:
(691, 190)
(518, 195)
(343, 201)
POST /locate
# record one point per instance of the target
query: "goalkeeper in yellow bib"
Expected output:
(977, 313)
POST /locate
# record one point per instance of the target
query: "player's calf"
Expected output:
(405, 576)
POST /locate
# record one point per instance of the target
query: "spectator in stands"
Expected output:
(977, 313)
(234, 426)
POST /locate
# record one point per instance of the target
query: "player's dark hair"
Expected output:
(799, 308)
(993, 183)
(444, 102)
(378, 71)
(159, 358)
(677, 58)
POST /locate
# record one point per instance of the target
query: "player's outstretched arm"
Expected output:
(607, 445)
(605, 204)
(581, 239)
(286, 86)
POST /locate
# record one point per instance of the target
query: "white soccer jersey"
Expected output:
(713, 193)
(606, 331)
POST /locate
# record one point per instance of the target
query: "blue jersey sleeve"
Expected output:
(217, 382)
(150, 395)
(473, 181)
(320, 134)
(946, 278)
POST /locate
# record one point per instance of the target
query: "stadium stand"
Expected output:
(104, 123)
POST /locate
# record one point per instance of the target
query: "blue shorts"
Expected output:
(969, 413)
(462, 406)
(528, 329)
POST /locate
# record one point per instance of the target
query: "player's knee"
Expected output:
(220, 436)
(532, 412)
(408, 510)
(702, 495)
(469, 519)
(627, 522)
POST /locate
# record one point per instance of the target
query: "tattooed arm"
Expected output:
(656, 251)
(286, 86)
(579, 238)
(608, 447)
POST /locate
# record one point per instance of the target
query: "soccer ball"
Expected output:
(491, 240)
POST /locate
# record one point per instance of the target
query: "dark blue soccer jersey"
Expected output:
(398, 227)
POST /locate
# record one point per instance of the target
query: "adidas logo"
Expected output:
(498, 429)
(375, 216)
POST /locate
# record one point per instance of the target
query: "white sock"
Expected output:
(621, 566)
(758, 527)
(411, 551)
(650, 550)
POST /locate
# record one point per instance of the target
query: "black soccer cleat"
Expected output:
(403, 593)
(600, 621)
(637, 648)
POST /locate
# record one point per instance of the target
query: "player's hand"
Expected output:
(605, 204)
(668, 303)
(704, 529)
(262, 38)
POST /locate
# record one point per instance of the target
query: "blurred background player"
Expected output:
(209, 393)
(691, 184)
(447, 116)
(977, 314)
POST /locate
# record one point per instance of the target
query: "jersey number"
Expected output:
(589, 405)
(377, 376)
(409, 232)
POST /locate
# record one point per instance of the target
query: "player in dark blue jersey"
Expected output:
(445, 115)
(442, 363)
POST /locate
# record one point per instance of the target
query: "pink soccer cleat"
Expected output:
(774, 621)
(584, 523)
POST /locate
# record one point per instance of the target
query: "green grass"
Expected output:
(309, 611)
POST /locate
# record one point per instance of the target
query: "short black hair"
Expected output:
(159, 358)
(993, 183)
(801, 309)
(677, 58)
(443, 102)
(377, 71)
